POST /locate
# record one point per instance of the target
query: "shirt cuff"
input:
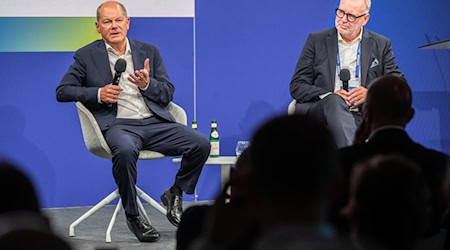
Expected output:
(324, 95)
(99, 99)
(146, 87)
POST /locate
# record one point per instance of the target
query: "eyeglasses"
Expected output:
(350, 17)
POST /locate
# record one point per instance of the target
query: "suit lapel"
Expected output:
(138, 55)
(331, 44)
(366, 56)
(101, 61)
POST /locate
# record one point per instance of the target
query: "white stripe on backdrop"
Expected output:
(87, 8)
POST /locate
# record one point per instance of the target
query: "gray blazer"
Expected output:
(316, 68)
(91, 71)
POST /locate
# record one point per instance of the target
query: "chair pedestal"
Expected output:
(107, 200)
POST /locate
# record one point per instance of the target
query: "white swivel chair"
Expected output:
(95, 142)
(291, 107)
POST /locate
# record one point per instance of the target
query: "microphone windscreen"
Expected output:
(344, 75)
(120, 65)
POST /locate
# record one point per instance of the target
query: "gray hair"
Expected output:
(124, 11)
(368, 4)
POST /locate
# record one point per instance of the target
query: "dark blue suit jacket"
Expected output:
(316, 68)
(91, 71)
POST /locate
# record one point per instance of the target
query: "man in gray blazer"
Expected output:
(132, 115)
(317, 86)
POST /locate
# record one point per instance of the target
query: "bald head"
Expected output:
(389, 101)
(111, 4)
(367, 3)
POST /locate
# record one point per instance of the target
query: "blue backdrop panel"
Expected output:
(247, 54)
(428, 71)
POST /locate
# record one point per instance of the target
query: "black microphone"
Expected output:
(344, 75)
(119, 67)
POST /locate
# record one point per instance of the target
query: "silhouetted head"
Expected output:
(243, 162)
(293, 161)
(446, 190)
(16, 190)
(241, 176)
(388, 102)
(389, 203)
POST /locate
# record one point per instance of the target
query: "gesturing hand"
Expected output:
(141, 77)
(110, 93)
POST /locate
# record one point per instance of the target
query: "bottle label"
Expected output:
(214, 134)
(215, 149)
(194, 126)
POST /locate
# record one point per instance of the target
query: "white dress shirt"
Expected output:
(348, 56)
(130, 103)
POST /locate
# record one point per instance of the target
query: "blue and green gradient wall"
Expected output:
(46, 34)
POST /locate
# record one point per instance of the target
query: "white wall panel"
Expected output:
(86, 8)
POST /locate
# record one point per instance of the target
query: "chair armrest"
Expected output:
(291, 107)
(92, 135)
(178, 113)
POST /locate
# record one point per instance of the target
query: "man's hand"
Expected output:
(141, 77)
(354, 97)
(110, 93)
(344, 94)
(357, 96)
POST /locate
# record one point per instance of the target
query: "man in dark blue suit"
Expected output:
(132, 115)
(316, 84)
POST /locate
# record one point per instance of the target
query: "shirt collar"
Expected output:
(109, 48)
(357, 39)
(383, 128)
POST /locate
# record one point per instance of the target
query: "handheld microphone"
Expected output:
(119, 67)
(344, 76)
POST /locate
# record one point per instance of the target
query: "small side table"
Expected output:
(224, 161)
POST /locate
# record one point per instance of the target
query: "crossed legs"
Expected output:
(335, 114)
(126, 137)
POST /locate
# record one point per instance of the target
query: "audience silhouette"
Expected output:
(446, 219)
(281, 200)
(389, 205)
(386, 113)
(294, 164)
(22, 224)
(194, 218)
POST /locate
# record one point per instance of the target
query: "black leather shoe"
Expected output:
(173, 203)
(143, 231)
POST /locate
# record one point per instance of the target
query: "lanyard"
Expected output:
(358, 60)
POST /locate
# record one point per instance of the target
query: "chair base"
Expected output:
(108, 199)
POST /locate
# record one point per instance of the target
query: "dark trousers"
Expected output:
(126, 137)
(336, 115)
